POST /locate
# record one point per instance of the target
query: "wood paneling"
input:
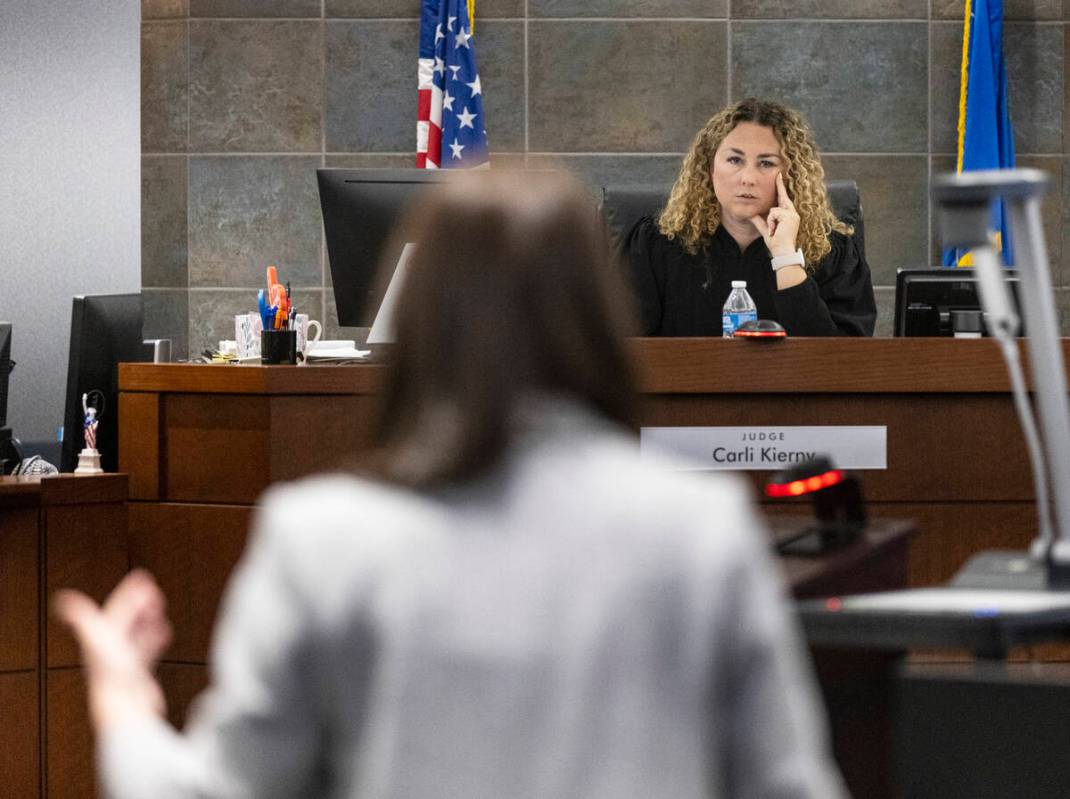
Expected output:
(86, 548)
(217, 448)
(831, 365)
(139, 443)
(227, 379)
(73, 529)
(318, 433)
(190, 550)
(941, 447)
(20, 761)
(18, 589)
(69, 766)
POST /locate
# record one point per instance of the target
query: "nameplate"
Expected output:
(762, 448)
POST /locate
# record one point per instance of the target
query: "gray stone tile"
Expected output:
(167, 316)
(371, 86)
(894, 192)
(835, 9)
(254, 8)
(370, 9)
(211, 316)
(885, 311)
(1053, 211)
(1035, 77)
(372, 160)
(1062, 308)
(717, 9)
(255, 86)
(508, 160)
(1012, 9)
(1066, 84)
(248, 212)
(596, 171)
(332, 330)
(164, 256)
(863, 86)
(310, 301)
(500, 57)
(946, 55)
(164, 9)
(589, 93)
(1064, 275)
(1035, 85)
(164, 87)
(940, 164)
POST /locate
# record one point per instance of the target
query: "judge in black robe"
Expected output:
(750, 204)
(681, 294)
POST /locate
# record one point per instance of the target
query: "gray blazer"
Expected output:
(579, 624)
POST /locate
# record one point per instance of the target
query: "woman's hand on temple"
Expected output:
(120, 643)
(780, 227)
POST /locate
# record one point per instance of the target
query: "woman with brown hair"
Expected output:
(750, 204)
(505, 602)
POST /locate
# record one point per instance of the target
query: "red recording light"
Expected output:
(759, 334)
(833, 604)
(808, 485)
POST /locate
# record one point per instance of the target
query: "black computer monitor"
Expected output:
(360, 207)
(5, 368)
(926, 299)
(105, 331)
(9, 453)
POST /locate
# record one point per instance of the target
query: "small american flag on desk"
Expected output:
(450, 130)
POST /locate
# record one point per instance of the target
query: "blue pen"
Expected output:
(261, 302)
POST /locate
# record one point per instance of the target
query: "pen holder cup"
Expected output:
(278, 346)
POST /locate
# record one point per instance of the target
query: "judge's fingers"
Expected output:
(761, 225)
(783, 200)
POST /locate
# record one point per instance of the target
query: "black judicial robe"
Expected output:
(682, 295)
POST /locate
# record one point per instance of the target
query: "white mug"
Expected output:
(302, 324)
(247, 327)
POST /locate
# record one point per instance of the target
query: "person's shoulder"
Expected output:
(647, 231)
(658, 494)
(647, 237)
(338, 510)
(843, 247)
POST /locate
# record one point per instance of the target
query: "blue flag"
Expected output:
(450, 128)
(986, 139)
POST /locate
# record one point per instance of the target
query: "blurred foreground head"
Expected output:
(510, 295)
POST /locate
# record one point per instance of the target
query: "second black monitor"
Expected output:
(360, 208)
(935, 302)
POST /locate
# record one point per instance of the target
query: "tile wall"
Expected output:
(243, 99)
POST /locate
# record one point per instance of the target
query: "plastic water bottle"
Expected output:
(738, 308)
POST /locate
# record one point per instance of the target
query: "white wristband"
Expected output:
(791, 259)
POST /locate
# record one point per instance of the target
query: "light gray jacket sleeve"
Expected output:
(773, 740)
(255, 732)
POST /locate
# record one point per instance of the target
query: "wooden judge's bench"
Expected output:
(200, 443)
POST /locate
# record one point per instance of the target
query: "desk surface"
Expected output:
(667, 366)
(61, 489)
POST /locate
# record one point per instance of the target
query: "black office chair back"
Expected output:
(623, 206)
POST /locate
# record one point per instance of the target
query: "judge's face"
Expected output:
(744, 172)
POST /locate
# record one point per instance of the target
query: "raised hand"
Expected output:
(780, 227)
(120, 642)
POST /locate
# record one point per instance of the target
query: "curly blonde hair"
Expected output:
(693, 213)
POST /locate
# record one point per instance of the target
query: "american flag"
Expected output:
(450, 131)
